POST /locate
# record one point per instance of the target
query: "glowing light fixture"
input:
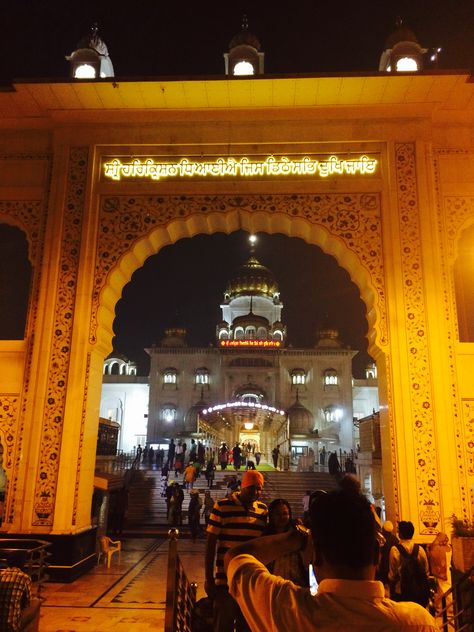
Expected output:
(407, 64)
(240, 404)
(85, 63)
(248, 425)
(243, 68)
(84, 71)
(91, 58)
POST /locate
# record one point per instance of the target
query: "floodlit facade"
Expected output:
(377, 170)
(249, 386)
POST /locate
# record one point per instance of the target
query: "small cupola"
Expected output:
(300, 418)
(403, 52)
(91, 58)
(244, 57)
(174, 337)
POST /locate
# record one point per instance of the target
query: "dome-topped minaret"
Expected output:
(403, 52)
(244, 57)
(91, 59)
(251, 309)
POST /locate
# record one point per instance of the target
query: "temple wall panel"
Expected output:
(453, 182)
(396, 233)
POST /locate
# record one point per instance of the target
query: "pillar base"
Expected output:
(71, 555)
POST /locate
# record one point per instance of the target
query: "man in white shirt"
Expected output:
(345, 553)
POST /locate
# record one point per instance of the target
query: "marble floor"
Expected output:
(128, 596)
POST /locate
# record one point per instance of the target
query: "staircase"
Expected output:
(146, 514)
(292, 486)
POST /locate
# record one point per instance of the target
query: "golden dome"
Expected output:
(174, 337)
(252, 278)
(328, 337)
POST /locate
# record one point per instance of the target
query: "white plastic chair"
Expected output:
(107, 548)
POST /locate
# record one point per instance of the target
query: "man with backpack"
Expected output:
(409, 568)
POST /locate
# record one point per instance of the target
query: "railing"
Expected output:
(31, 555)
(123, 461)
(457, 612)
(180, 593)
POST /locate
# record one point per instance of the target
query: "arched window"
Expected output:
(262, 333)
(371, 372)
(115, 368)
(170, 376)
(331, 377)
(169, 413)
(223, 334)
(250, 398)
(250, 333)
(464, 285)
(298, 376)
(14, 282)
(239, 333)
(332, 413)
(201, 376)
(278, 335)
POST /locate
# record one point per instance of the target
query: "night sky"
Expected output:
(153, 38)
(183, 39)
(184, 284)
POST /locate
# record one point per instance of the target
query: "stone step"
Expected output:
(147, 508)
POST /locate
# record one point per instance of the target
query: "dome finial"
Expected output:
(245, 23)
(252, 241)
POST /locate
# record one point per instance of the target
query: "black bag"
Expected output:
(202, 616)
(414, 584)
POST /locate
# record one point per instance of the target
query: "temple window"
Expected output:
(250, 333)
(298, 376)
(331, 377)
(332, 413)
(170, 376)
(201, 376)
(168, 413)
(115, 368)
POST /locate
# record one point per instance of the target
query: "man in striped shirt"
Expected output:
(235, 519)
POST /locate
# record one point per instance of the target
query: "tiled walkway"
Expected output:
(129, 596)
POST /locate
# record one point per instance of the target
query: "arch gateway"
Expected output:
(378, 171)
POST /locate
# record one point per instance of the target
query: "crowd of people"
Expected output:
(336, 567)
(269, 570)
(245, 454)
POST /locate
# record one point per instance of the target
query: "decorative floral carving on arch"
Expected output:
(10, 439)
(459, 214)
(27, 217)
(346, 226)
(455, 215)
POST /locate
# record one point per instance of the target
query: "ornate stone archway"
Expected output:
(103, 239)
(345, 226)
